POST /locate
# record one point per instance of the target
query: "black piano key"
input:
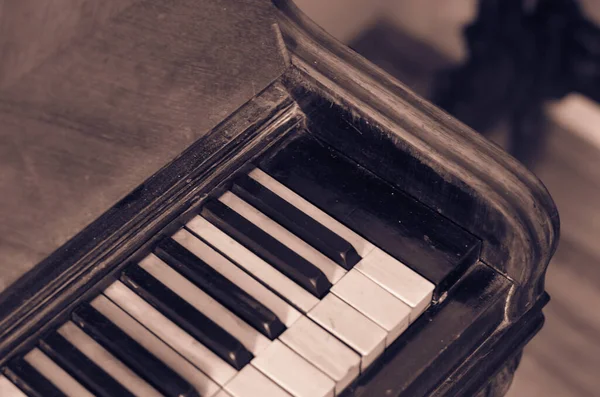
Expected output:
(28, 379)
(296, 221)
(131, 353)
(268, 248)
(186, 316)
(81, 368)
(220, 288)
(426, 241)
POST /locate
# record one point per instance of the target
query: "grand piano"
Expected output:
(217, 198)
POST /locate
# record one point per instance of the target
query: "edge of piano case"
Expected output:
(490, 313)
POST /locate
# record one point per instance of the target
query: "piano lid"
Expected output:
(96, 97)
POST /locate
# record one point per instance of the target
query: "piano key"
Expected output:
(362, 246)
(252, 340)
(332, 270)
(128, 351)
(254, 265)
(55, 374)
(423, 239)
(30, 380)
(8, 389)
(202, 383)
(366, 296)
(398, 279)
(296, 221)
(268, 248)
(186, 316)
(284, 312)
(219, 287)
(105, 360)
(223, 393)
(199, 355)
(84, 370)
(351, 327)
(292, 372)
(324, 351)
(251, 383)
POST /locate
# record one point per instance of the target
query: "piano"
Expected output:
(326, 232)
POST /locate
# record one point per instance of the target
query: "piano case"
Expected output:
(253, 79)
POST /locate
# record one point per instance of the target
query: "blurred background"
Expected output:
(529, 82)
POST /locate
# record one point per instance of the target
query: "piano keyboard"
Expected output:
(260, 293)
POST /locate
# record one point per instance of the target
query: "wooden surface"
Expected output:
(33, 30)
(431, 156)
(564, 358)
(100, 110)
(51, 194)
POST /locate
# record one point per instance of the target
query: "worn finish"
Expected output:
(144, 208)
(414, 364)
(119, 104)
(510, 211)
(153, 206)
(435, 248)
(31, 31)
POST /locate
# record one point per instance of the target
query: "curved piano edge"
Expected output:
(509, 207)
(41, 293)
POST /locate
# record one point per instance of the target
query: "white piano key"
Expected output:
(351, 327)
(292, 372)
(204, 303)
(332, 270)
(55, 374)
(362, 246)
(283, 310)
(324, 351)
(260, 269)
(366, 296)
(105, 360)
(157, 347)
(223, 393)
(8, 389)
(398, 279)
(198, 354)
(250, 382)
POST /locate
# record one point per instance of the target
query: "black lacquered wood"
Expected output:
(296, 221)
(186, 316)
(427, 242)
(28, 379)
(268, 248)
(220, 288)
(131, 353)
(84, 370)
(439, 340)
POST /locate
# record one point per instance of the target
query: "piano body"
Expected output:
(323, 232)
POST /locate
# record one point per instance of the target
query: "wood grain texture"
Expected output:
(32, 30)
(92, 122)
(562, 360)
(471, 181)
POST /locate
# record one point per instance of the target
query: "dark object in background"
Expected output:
(520, 56)
(468, 335)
